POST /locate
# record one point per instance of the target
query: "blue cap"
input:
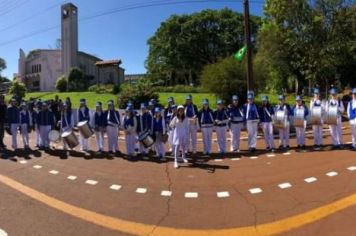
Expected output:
(153, 101)
(333, 91)
(157, 110)
(150, 103)
(298, 98)
(170, 99)
(129, 108)
(110, 102)
(188, 97)
(281, 97)
(235, 97)
(82, 100)
(143, 106)
(354, 91)
(174, 106)
(250, 96)
(205, 101)
(219, 102)
(316, 91)
(98, 104)
(264, 98)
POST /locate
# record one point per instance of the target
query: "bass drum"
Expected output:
(70, 138)
(299, 120)
(331, 115)
(85, 129)
(280, 120)
(53, 135)
(146, 139)
(316, 116)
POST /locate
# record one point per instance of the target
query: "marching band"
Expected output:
(152, 126)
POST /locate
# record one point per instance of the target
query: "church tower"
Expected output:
(69, 25)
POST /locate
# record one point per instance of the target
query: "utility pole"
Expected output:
(250, 82)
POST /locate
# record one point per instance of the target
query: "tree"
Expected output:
(18, 89)
(225, 78)
(184, 44)
(76, 80)
(61, 84)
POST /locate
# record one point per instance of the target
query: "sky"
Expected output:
(121, 35)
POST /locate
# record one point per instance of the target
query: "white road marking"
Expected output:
(115, 187)
(72, 177)
(223, 194)
(310, 179)
(254, 157)
(351, 168)
(284, 185)
(141, 190)
(2, 232)
(271, 155)
(235, 159)
(54, 172)
(286, 153)
(191, 195)
(332, 173)
(37, 166)
(218, 160)
(255, 190)
(91, 182)
(166, 193)
(348, 142)
(22, 162)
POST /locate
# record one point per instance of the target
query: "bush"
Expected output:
(61, 84)
(180, 89)
(17, 89)
(116, 89)
(104, 88)
(141, 92)
(76, 80)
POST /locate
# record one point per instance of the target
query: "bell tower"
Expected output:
(69, 35)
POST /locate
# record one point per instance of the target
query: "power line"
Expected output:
(14, 6)
(122, 9)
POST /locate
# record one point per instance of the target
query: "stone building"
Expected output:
(40, 68)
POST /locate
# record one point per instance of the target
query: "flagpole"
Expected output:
(250, 82)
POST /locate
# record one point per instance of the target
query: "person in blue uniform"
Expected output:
(66, 122)
(83, 115)
(25, 124)
(206, 125)
(13, 119)
(300, 130)
(252, 119)
(3, 110)
(191, 112)
(37, 108)
(336, 129)
(112, 128)
(99, 126)
(221, 119)
(45, 122)
(266, 113)
(169, 113)
(158, 130)
(144, 125)
(130, 126)
(236, 118)
(351, 114)
(284, 132)
(317, 129)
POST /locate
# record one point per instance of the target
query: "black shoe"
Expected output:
(287, 147)
(303, 147)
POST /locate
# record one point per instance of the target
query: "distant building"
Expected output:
(133, 78)
(40, 69)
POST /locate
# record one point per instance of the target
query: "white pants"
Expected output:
(84, 143)
(300, 132)
(44, 131)
(99, 137)
(235, 136)
(130, 143)
(221, 136)
(159, 147)
(207, 133)
(170, 140)
(336, 132)
(318, 134)
(284, 136)
(267, 128)
(38, 136)
(353, 132)
(176, 152)
(14, 128)
(24, 133)
(113, 138)
(192, 137)
(252, 128)
(143, 150)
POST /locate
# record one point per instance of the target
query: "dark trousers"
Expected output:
(2, 129)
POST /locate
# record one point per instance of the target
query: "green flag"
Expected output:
(241, 53)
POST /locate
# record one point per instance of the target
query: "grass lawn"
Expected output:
(93, 97)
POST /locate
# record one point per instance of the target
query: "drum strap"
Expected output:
(266, 110)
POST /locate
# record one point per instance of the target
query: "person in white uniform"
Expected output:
(130, 126)
(266, 113)
(300, 131)
(180, 127)
(158, 130)
(25, 124)
(191, 112)
(351, 113)
(112, 128)
(99, 127)
(336, 130)
(206, 125)
(252, 119)
(221, 121)
(66, 122)
(83, 115)
(284, 132)
(236, 118)
(317, 129)
(13, 120)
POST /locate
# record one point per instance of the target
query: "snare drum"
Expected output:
(331, 115)
(146, 139)
(299, 120)
(70, 138)
(85, 129)
(53, 135)
(316, 116)
(280, 119)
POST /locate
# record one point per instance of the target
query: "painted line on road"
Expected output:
(255, 190)
(218, 160)
(284, 185)
(310, 180)
(141, 190)
(37, 167)
(54, 172)
(23, 162)
(115, 187)
(286, 153)
(271, 155)
(72, 177)
(351, 168)
(191, 195)
(254, 157)
(166, 193)
(223, 194)
(2, 232)
(332, 174)
(91, 182)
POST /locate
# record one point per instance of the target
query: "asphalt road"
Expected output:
(286, 193)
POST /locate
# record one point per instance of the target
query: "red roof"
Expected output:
(108, 62)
